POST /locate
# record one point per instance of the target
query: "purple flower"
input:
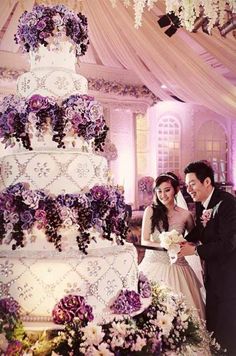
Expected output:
(62, 316)
(99, 192)
(38, 102)
(41, 218)
(72, 306)
(31, 198)
(27, 219)
(43, 22)
(16, 189)
(41, 25)
(127, 302)
(144, 286)
(9, 306)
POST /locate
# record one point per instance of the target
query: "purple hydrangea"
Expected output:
(127, 302)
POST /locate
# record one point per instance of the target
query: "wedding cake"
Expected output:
(62, 226)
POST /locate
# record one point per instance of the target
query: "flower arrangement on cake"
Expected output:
(22, 209)
(165, 326)
(43, 24)
(77, 116)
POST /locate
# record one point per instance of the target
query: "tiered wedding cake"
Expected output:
(61, 225)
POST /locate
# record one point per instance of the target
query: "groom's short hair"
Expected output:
(202, 169)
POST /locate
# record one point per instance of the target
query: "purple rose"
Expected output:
(31, 198)
(41, 25)
(72, 306)
(41, 218)
(38, 102)
(99, 192)
(27, 219)
(62, 316)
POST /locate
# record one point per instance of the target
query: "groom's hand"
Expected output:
(187, 249)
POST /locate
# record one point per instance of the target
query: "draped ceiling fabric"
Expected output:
(153, 57)
(163, 59)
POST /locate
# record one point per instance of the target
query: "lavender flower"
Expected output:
(10, 307)
(101, 208)
(42, 22)
(79, 112)
(144, 286)
(127, 302)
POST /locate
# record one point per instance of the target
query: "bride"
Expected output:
(165, 215)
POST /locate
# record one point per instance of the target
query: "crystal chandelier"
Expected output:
(214, 12)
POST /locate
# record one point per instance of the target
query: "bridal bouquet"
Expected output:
(170, 240)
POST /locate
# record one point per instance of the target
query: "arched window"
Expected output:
(211, 144)
(168, 145)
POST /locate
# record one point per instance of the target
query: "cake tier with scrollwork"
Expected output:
(52, 73)
(55, 171)
(38, 280)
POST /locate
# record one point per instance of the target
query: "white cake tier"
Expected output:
(57, 171)
(52, 73)
(39, 280)
(51, 82)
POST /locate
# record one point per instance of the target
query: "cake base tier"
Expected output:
(37, 284)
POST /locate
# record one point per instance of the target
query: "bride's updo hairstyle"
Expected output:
(159, 217)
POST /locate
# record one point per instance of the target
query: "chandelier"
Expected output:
(192, 14)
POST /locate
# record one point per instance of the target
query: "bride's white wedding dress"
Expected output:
(156, 265)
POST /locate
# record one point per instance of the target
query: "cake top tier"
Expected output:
(46, 26)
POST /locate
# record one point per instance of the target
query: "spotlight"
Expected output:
(171, 30)
(171, 20)
(164, 21)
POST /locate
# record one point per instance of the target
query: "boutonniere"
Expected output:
(206, 216)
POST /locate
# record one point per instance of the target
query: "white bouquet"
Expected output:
(170, 240)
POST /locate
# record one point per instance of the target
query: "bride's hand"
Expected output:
(186, 249)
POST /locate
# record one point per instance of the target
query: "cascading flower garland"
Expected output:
(44, 23)
(101, 208)
(165, 327)
(77, 116)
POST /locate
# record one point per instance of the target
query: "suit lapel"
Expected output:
(214, 199)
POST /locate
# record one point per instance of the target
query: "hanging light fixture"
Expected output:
(189, 12)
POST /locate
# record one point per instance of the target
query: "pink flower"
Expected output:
(206, 216)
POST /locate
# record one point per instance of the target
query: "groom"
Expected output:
(215, 236)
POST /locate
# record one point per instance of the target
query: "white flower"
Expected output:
(164, 322)
(117, 341)
(3, 342)
(102, 350)
(93, 334)
(140, 343)
(170, 240)
(119, 329)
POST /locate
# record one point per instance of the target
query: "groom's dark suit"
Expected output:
(218, 250)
